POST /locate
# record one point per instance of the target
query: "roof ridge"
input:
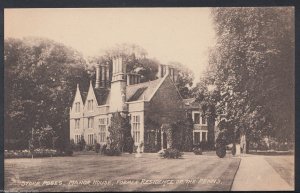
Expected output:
(147, 82)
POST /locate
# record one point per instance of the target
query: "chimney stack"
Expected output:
(133, 78)
(102, 76)
(167, 70)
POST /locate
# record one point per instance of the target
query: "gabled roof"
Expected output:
(83, 96)
(101, 95)
(142, 91)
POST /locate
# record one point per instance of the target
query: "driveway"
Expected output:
(263, 173)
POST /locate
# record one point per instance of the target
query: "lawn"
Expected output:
(123, 173)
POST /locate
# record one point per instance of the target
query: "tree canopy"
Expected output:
(40, 84)
(252, 66)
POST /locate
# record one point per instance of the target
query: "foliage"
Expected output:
(119, 130)
(40, 82)
(97, 147)
(171, 153)
(221, 151)
(89, 147)
(36, 153)
(252, 66)
(197, 150)
(182, 134)
(185, 80)
(137, 61)
(112, 152)
(81, 143)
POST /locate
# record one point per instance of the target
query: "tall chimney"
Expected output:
(118, 86)
(97, 84)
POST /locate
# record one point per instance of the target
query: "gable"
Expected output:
(167, 96)
(90, 96)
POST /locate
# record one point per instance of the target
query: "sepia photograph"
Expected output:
(149, 99)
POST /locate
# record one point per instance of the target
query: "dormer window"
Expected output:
(77, 107)
(90, 105)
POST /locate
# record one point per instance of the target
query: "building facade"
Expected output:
(150, 105)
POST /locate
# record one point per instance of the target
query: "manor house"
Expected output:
(150, 106)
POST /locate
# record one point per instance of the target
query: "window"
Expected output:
(196, 137)
(203, 136)
(77, 123)
(203, 119)
(90, 122)
(90, 139)
(77, 107)
(136, 123)
(196, 118)
(77, 138)
(90, 105)
(102, 128)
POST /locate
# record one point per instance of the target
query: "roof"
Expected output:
(101, 95)
(191, 103)
(142, 91)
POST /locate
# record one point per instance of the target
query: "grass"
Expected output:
(193, 172)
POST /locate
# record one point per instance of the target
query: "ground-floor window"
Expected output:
(136, 128)
(199, 136)
(77, 139)
(102, 129)
(90, 139)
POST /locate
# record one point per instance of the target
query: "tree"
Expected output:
(119, 131)
(40, 82)
(185, 80)
(252, 65)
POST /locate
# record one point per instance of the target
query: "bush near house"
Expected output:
(89, 147)
(97, 147)
(171, 153)
(197, 151)
(112, 152)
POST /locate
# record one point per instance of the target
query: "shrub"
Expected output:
(171, 153)
(103, 149)
(97, 147)
(36, 153)
(69, 149)
(89, 147)
(221, 151)
(112, 152)
(197, 151)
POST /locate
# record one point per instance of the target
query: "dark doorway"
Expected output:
(164, 140)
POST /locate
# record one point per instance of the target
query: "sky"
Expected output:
(168, 34)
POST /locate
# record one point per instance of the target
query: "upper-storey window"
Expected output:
(203, 120)
(90, 105)
(77, 107)
(196, 118)
(90, 122)
(77, 123)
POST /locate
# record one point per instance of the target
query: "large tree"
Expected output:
(40, 82)
(252, 65)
